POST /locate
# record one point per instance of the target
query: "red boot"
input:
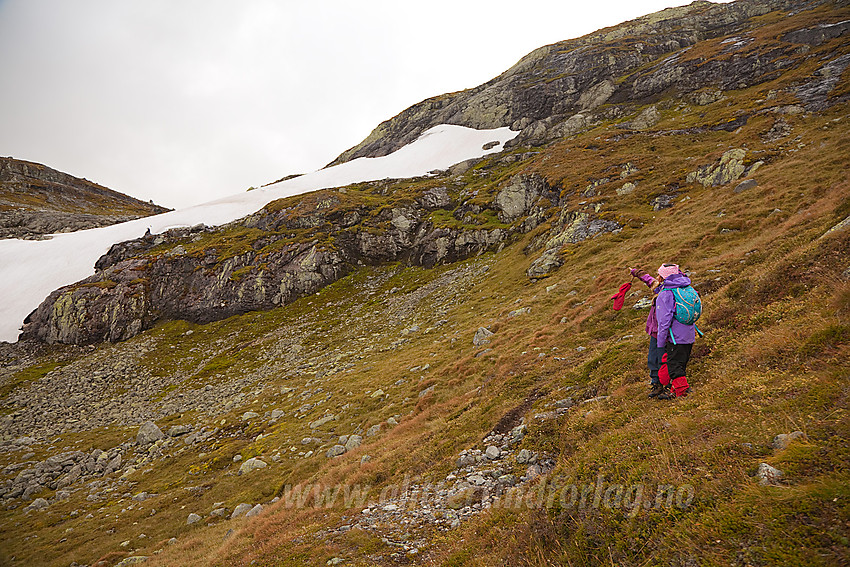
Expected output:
(680, 386)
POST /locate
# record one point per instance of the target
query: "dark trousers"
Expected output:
(653, 360)
(677, 359)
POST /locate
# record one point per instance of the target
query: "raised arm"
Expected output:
(650, 282)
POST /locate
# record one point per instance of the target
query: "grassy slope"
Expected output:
(774, 360)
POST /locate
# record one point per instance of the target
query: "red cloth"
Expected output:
(680, 386)
(620, 297)
(663, 372)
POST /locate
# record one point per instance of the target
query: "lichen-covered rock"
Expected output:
(769, 475)
(728, 169)
(482, 336)
(251, 465)
(519, 195)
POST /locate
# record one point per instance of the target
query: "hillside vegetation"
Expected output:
(375, 423)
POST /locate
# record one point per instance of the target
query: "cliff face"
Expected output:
(289, 249)
(37, 200)
(568, 87)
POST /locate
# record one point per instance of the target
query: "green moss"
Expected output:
(26, 376)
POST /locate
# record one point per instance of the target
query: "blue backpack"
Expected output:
(688, 304)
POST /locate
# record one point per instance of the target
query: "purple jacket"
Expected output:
(665, 309)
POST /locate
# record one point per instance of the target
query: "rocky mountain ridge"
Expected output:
(36, 200)
(569, 87)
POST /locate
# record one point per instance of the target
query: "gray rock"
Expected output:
(746, 184)
(132, 560)
(335, 451)
(643, 303)
(38, 504)
(178, 430)
(728, 169)
(493, 452)
(426, 391)
(252, 465)
(321, 421)
(524, 457)
(240, 510)
(769, 475)
(193, 518)
(353, 442)
(517, 198)
(648, 118)
(219, 512)
(255, 511)
(277, 414)
(249, 415)
(113, 465)
(374, 430)
(518, 433)
(627, 188)
(843, 225)
(148, 433)
(482, 336)
(547, 263)
(783, 440)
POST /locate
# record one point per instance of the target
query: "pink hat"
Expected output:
(667, 270)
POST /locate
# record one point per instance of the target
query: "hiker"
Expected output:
(654, 354)
(677, 308)
(672, 329)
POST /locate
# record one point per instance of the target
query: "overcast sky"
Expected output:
(185, 101)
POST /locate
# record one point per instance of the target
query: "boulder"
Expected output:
(525, 457)
(252, 465)
(728, 169)
(336, 451)
(38, 504)
(132, 560)
(192, 519)
(783, 440)
(255, 511)
(519, 195)
(745, 184)
(547, 263)
(148, 433)
(482, 336)
(178, 430)
(353, 442)
(769, 475)
(240, 510)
